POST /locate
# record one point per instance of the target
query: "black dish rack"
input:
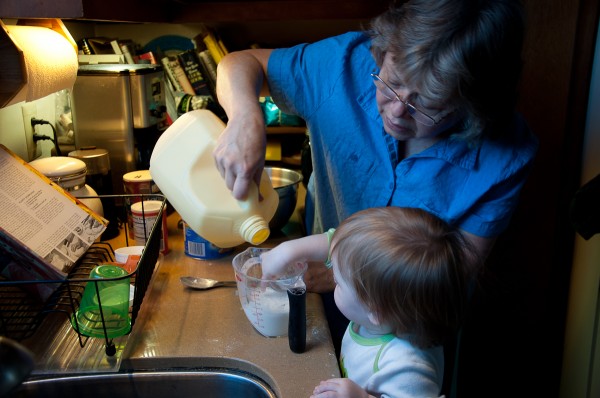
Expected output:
(21, 312)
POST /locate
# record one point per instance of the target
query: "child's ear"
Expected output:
(374, 318)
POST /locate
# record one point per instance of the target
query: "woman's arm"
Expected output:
(240, 151)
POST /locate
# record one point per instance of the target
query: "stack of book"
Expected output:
(126, 50)
(129, 50)
(191, 77)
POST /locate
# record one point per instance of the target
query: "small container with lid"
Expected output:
(137, 182)
(144, 215)
(69, 173)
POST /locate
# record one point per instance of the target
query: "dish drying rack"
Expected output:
(22, 313)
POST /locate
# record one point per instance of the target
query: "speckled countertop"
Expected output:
(179, 327)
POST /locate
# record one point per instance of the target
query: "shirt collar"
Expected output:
(455, 151)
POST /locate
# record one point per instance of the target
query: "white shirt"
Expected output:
(387, 366)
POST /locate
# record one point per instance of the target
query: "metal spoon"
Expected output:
(204, 283)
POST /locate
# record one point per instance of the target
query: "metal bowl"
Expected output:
(285, 182)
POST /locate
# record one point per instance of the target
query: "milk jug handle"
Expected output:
(297, 319)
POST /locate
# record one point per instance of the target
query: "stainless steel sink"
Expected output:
(164, 383)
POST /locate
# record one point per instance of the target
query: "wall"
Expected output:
(580, 364)
(12, 131)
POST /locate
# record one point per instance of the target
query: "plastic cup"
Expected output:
(104, 304)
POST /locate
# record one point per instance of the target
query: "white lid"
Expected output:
(138, 176)
(149, 206)
(66, 171)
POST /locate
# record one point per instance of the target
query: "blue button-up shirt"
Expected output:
(356, 164)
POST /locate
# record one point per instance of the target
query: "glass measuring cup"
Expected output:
(265, 302)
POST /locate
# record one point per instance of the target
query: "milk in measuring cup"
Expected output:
(265, 302)
(268, 311)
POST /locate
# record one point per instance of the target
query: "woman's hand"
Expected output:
(240, 151)
(239, 154)
(318, 278)
(345, 388)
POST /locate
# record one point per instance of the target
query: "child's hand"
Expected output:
(339, 388)
(275, 262)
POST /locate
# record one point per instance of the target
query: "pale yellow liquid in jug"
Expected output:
(183, 167)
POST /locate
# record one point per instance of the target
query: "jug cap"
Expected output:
(255, 230)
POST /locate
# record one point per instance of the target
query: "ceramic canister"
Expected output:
(69, 173)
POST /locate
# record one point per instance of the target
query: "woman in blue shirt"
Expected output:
(416, 111)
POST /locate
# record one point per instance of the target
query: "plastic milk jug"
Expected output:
(183, 167)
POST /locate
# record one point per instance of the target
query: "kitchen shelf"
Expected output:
(22, 314)
(286, 130)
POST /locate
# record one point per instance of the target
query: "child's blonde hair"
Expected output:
(407, 266)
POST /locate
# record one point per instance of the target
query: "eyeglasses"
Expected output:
(390, 94)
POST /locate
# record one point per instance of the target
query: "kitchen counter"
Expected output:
(180, 327)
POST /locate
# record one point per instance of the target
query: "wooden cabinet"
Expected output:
(198, 10)
(109, 10)
(191, 11)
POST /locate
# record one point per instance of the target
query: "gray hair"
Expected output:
(466, 53)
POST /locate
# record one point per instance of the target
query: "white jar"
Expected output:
(69, 173)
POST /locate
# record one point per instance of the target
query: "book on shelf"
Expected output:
(210, 67)
(128, 51)
(95, 59)
(180, 79)
(44, 230)
(214, 44)
(207, 61)
(194, 70)
(171, 105)
(116, 47)
(99, 45)
(125, 48)
(170, 74)
(147, 58)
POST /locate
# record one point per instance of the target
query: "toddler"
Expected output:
(401, 280)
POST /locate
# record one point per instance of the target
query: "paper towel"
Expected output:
(50, 61)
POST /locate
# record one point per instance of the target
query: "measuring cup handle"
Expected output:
(297, 320)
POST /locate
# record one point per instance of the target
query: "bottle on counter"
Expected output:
(183, 167)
